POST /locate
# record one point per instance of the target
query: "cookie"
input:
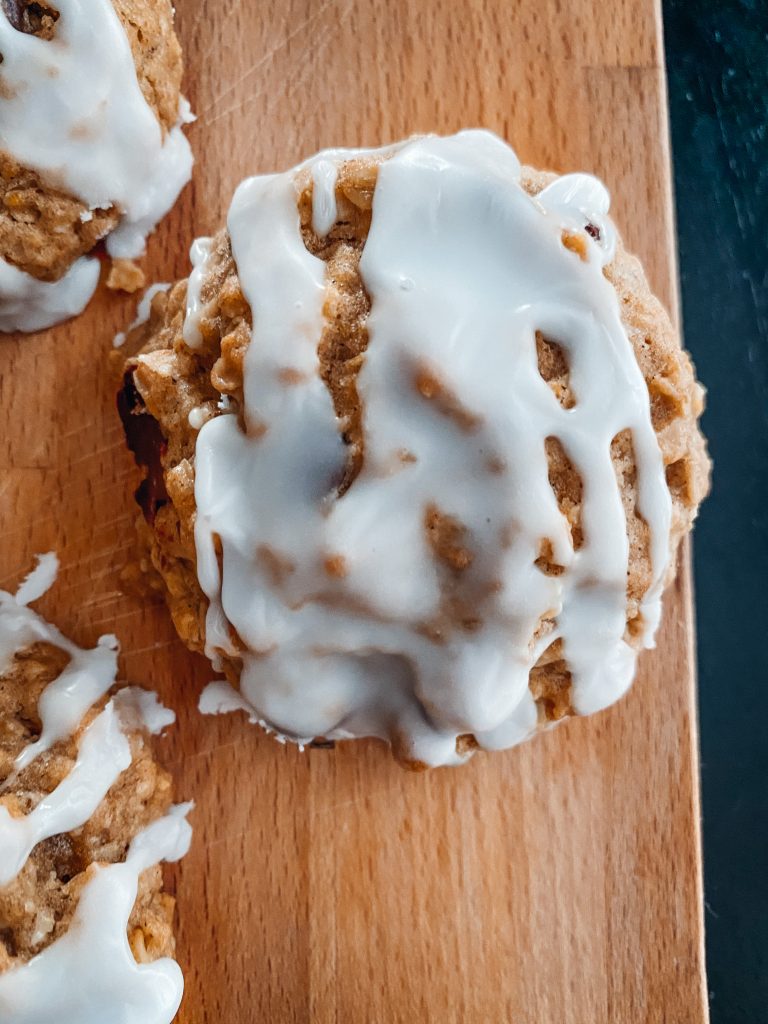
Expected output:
(85, 817)
(419, 448)
(92, 147)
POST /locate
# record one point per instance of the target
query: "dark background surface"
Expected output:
(717, 61)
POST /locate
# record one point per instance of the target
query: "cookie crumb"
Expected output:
(125, 276)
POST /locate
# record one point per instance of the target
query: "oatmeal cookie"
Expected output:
(44, 229)
(84, 157)
(203, 357)
(85, 819)
(36, 907)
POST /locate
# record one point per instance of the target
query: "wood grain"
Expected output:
(558, 883)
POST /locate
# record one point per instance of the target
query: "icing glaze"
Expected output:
(27, 304)
(72, 109)
(85, 679)
(195, 308)
(141, 709)
(462, 268)
(324, 174)
(197, 417)
(89, 972)
(219, 698)
(39, 580)
(104, 753)
(142, 312)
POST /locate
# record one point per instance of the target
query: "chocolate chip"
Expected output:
(14, 12)
(594, 231)
(146, 441)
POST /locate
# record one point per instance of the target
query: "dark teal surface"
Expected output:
(717, 60)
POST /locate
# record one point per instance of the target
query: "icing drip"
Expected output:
(72, 109)
(89, 971)
(324, 174)
(89, 975)
(141, 709)
(103, 754)
(142, 312)
(196, 417)
(219, 698)
(39, 580)
(579, 199)
(27, 304)
(85, 679)
(196, 308)
(463, 269)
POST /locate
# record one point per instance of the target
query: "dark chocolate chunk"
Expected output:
(31, 18)
(146, 441)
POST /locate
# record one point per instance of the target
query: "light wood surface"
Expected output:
(558, 883)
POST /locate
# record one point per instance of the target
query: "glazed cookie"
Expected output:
(419, 447)
(85, 818)
(91, 147)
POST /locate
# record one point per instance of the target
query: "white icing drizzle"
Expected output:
(324, 174)
(220, 698)
(72, 109)
(579, 199)
(104, 753)
(142, 709)
(39, 580)
(196, 308)
(142, 312)
(27, 304)
(84, 680)
(196, 417)
(89, 974)
(462, 268)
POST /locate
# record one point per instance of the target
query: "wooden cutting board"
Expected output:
(557, 883)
